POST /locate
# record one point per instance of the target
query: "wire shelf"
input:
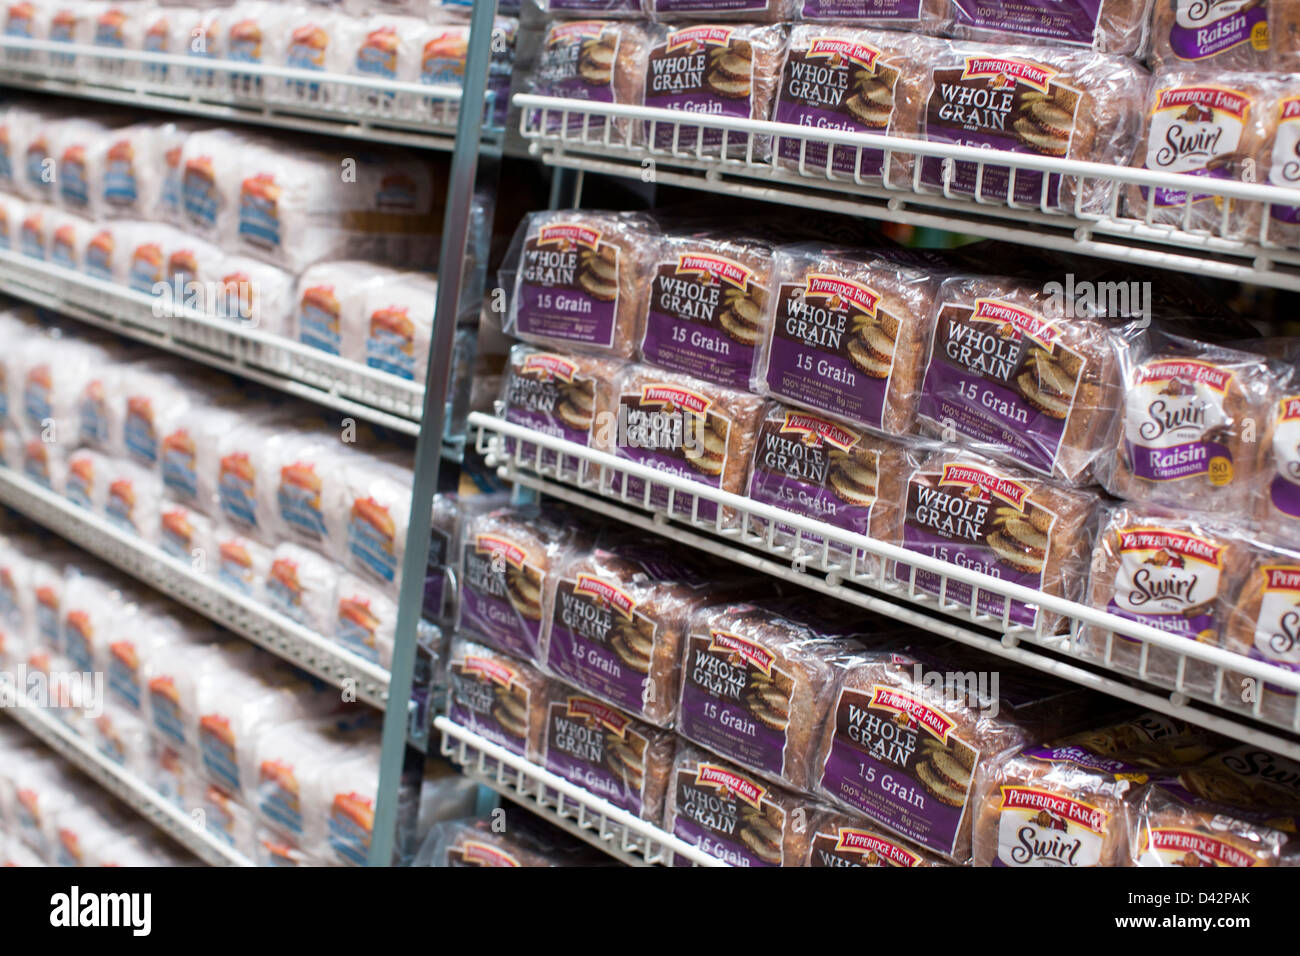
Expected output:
(732, 156)
(954, 603)
(201, 591)
(570, 807)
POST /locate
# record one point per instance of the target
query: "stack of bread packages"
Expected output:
(1174, 86)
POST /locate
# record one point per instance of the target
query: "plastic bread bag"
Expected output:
(847, 840)
(92, 608)
(1204, 122)
(1244, 776)
(45, 463)
(255, 295)
(1017, 374)
(707, 305)
(364, 620)
(1262, 622)
(1194, 428)
(1114, 26)
(170, 147)
(209, 164)
(607, 751)
(172, 711)
(34, 233)
(756, 688)
(242, 563)
(506, 559)
(301, 585)
(31, 152)
(330, 304)
(17, 597)
(133, 498)
(12, 214)
(388, 48)
(150, 397)
(554, 394)
(185, 533)
(303, 472)
(713, 69)
(520, 842)
(912, 16)
(1217, 37)
(47, 574)
(752, 11)
(913, 737)
(243, 487)
(1148, 739)
(579, 281)
(1176, 826)
(854, 80)
(255, 33)
(1277, 509)
(497, 697)
(597, 61)
(70, 235)
(54, 370)
(1279, 161)
(316, 39)
(123, 737)
(616, 617)
(684, 427)
(18, 326)
(398, 326)
(147, 628)
(372, 499)
(846, 335)
(188, 458)
(1037, 100)
(131, 171)
(75, 146)
(959, 506)
(724, 812)
(168, 28)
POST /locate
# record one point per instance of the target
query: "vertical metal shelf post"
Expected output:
(428, 448)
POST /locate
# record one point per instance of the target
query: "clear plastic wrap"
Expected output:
(598, 61)
(1009, 373)
(756, 689)
(854, 80)
(681, 426)
(607, 752)
(726, 813)
(515, 842)
(497, 697)
(846, 335)
(1170, 572)
(242, 562)
(1194, 428)
(1204, 122)
(133, 498)
(1073, 104)
(364, 620)
(506, 558)
(301, 584)
(616, 618)
(185, 533)
(1177, 827)
(581, 281)
(846, 840)
(371, 509)
(822, 469)
(1148, 739)
(1262, 622)
(399, 326)
(1107, 26)
(1061, 806)
(1232, 35)
(556, 395)
(1280, 161)
(707, 306)
(910, 746)
(330, 304)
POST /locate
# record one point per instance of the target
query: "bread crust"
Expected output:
(1084, 822)
(1084, 109)
(1172, 572)
(1032, 530)
(747, 821)
(846, 336)
(1049, 386)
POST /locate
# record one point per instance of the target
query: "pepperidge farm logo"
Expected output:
(75, 909)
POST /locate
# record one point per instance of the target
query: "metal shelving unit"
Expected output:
(601, 138)
(231, 346)
(332, 104)
(126, 786)
(198, 590)
(857, 569)
(620, 834)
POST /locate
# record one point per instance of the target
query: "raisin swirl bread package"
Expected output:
(912, 16)
(497, 697)
(754, 11)
(1222, 35)
(1264, 625)
(756, 688)
(854, 80)
(1107, 26)
(506, 556)
(681, 426)
(580, 281)
(1203, 122)
(725, 70)
(1009, 374)
(729, 814)
(846, 336)
(597, 61)
(607, 752)
(1061, 806)
(819, 468)
(1278, 509)
(554, 394)
(1148, 739)
(1281, 160)
(707, 307)
(909, 745)
(999, 521)
(1037, 100)
(844, 839)
(1194, 427)
(1176, 574)
(1176, 826)
(616, 617)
